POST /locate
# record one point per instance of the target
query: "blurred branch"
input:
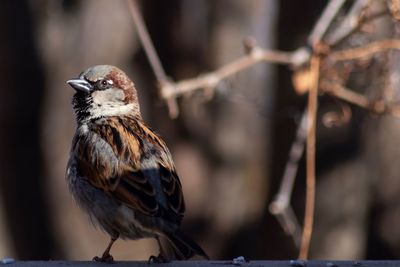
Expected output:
(349, 23)
(310, 158)
(145, 39)
(339, 91)
(280, 206)
(366, 50)
(323, 23)
(356, 26)
(208, 81)
(211, 79)
(152, 56)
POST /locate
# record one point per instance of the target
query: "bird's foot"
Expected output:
(107, 258)
(158, 259)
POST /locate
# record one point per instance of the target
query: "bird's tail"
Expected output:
(184, 247)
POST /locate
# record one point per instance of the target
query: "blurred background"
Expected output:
(230, 150)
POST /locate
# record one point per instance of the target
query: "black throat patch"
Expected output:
(82, 102)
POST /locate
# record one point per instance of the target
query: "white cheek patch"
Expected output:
(109, 102)
(109, 95)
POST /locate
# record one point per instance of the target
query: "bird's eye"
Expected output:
(104, 84)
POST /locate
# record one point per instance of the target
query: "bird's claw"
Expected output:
(105, 258)
(157, 259)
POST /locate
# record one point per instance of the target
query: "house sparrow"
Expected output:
(120, 172)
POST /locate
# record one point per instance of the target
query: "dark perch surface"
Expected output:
(285, 263)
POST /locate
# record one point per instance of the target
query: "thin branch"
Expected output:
(339, 91)
(366, 50)
(211, 79)
(330, 12)
(351, 21)
(145, 39)
(169, 91)
(280, 207)
(310, 158)
(288, 221)
(356, 26)
(154, 60)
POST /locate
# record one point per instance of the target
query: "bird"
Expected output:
(120, 172)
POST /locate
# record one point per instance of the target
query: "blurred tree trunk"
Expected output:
(241, 124)
(22, 179)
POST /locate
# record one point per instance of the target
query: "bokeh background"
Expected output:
(229, 150)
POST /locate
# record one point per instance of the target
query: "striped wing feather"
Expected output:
(155, 193)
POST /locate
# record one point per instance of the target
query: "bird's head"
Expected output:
(104, 91)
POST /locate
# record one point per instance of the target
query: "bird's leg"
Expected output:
(106, 254)
(162, 257)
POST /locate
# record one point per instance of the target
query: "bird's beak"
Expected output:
(80, 85)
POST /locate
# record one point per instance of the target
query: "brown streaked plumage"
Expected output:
(120, 172)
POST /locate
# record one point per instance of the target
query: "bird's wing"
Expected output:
(132, 163)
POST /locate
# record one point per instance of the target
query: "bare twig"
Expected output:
(280, 207)
(169, 90)
(211, 79)
(310, 158)
(339, 91)
(154, 60)
(148, 46)
(323, 23)
(356, 26)
(351, 21)
(366, 50)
